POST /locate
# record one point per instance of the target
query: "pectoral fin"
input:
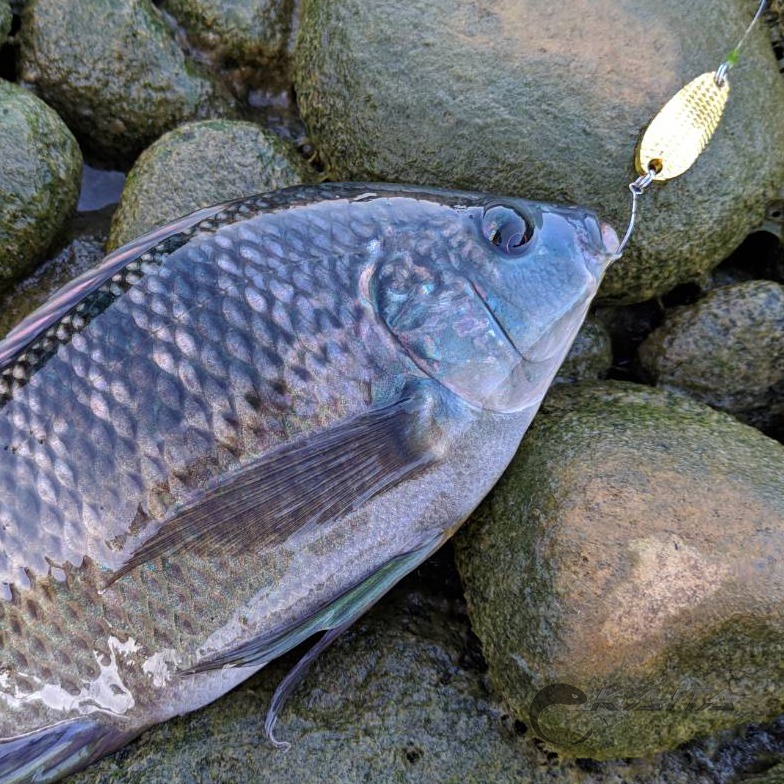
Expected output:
(308, 482)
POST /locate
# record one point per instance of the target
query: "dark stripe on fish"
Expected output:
(37, 338)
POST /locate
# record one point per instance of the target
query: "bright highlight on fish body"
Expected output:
(243, 428)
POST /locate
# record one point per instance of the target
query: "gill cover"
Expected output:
(491, 313)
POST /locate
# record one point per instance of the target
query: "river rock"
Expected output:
(625, 575)
(114, 72)
(200, 164)
(727, 350)
(83, 251)
(590, 356)
(235, 30)
(546, 100)
(5, 20)
(40, 171)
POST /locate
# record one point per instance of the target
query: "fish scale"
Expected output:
(227, 438)
(93, 450)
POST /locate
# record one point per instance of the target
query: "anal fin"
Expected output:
(333, 619)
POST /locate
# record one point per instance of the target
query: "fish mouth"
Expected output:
(609, 238)
(612, 245)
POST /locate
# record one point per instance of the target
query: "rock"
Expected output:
(200, 164)
(40, 170)
(398, 698)
(5, 20)
(590, 356)
(773, 775)
(727, 350)
(114, 72)
(625, 574)
(546, 100)
(235, 30)
(84, 250)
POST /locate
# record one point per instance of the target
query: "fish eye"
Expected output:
(506, 229)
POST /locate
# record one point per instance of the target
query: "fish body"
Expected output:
(244, 427)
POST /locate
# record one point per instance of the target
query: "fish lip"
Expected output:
(609, 239)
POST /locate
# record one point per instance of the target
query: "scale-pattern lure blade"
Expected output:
(683, 128)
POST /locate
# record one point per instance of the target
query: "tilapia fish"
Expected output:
(243, 428)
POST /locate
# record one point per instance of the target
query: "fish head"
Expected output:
(492, 310)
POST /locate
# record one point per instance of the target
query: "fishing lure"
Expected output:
(683, 128)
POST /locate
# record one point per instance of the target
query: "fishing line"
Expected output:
(682, 129)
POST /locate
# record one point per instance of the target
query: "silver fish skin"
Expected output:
(246, 426)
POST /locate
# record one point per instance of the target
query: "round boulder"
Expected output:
(114, 72)
(40, 172)
(625, 576)
(245, 33)
(546, 100)
(5, 20)
(727, 350)
(200, 164)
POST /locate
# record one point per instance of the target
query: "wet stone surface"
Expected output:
(726, 350)
(114, 73)
(40, 171)
(629, 553)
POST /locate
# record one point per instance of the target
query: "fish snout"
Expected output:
(609, 238)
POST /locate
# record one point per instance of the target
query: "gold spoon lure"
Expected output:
(682, 129)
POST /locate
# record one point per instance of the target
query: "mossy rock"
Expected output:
(115, 73)
(40, 174)
(590, 357)
(255, 33)
(201, 164)
(624, 575)
(727, 350)
(5, 20)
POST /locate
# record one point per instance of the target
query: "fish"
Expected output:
(241, 429)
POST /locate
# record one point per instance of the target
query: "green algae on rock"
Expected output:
(727, 350)
(546, 100)
(114, 72)
(632, 551)
(40, 171)
(200, 164)
(5, 20)
(590, 356)
(246, 33)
